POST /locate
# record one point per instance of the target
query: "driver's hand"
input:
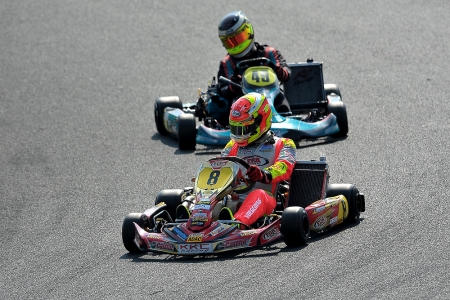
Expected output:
(255, 174)
(282, 74)
(237, 78)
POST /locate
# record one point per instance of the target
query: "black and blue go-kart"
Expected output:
(317, 109)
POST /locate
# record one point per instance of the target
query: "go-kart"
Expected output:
(196, 228)
(317, 109)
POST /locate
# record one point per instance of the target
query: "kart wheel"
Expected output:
(295, 226)
(129, 232)
(160, 104)
(172, 198)
(355, 199)
(187, 132)
(332, 88)
(339, 110)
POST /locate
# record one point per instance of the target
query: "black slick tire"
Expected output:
(187, 132)
(339, 110)
(129, 232)
(161, 104)
(172, 198)
(295, 226)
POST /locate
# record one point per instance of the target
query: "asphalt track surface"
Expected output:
(80, 150)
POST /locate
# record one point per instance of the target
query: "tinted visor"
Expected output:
(242, 35)
(243, 130)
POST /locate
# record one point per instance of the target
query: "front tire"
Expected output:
(172, 198)
(161, 104)
(295, 226)
(187, 132)
(129, 235)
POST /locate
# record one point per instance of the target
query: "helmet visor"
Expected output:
(244, 131)
(243, 34)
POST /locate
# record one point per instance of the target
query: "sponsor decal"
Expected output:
(153, 236)
(217, 164)
(179, 233)
(333, 220)
(235, 113)
(202, 206)
(271, 234)
(320, 222)
(303, 74)
(199, 215)
(256, 160)
(161, 246)
(253, 208)
(197, 223)
(204, 202)
(195, 237)
(247, 232)
(318, 209)
(194, 248)
(245, 151)
(233, 244)
(217, 231)
(160, 204)
(199, 219)
(266, 147)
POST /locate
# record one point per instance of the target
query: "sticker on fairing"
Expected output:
(194, 248)
(260, 76)
(213, 179)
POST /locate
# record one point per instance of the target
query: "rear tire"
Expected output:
(160, 104)
(129, 231)
(295, 226)
(355, 200)
(172, 198)
(187, 132)
(339, 110)
(331, 88)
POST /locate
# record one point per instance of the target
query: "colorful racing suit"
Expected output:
(276, 157)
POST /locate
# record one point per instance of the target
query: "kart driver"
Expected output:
(237, 36)
(272, 159)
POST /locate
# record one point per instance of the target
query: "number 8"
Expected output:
(213, 177)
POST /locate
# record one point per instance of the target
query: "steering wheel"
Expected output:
(259, 61)
(247, 63)
(249, 184)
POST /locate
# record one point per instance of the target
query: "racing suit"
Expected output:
(276, 157)
(230, 92)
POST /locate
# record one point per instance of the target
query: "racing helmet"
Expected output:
(250, 118)
(236, 34)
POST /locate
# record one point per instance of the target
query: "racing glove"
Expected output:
(236, 79)
(282, 74)
(256, 174)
